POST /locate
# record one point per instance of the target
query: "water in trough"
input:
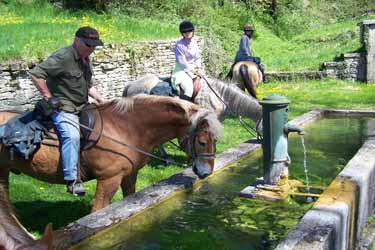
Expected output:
(213, 216)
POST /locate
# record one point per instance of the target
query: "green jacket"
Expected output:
(67, 77)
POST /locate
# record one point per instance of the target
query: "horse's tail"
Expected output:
(244, 72)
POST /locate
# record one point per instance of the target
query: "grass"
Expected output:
(52, 204)
(33, 32)
(36, 29)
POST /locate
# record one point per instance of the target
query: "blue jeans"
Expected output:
(66, 125)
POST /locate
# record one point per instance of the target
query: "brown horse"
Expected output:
(139, 123)
(247, 75)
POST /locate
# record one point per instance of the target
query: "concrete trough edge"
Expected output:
(117, 212)
(338, 218)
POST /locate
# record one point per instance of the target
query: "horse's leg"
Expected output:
(128, 184)
(105, 190)
(7, 211)
(244, 71)
(4, 189)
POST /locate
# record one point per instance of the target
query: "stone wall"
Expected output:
(352, 67)
(114, 65)
(357, 66)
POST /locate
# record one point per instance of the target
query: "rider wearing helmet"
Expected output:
(244, 52)
(188, 70)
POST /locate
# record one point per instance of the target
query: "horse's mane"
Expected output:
(238, 101)
(127, 104)
(215, 127)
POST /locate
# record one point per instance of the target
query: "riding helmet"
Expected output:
(248, 27)
(186, 26)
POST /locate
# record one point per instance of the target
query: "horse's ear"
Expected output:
(47, 237)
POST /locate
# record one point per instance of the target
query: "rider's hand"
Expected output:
(54, 103)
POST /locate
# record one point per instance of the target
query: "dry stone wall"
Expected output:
(114, 66)
(352, 67)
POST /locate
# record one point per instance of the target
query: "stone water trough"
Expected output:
(336, 221)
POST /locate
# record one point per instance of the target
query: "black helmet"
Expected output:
(248, 27)
(186, 26)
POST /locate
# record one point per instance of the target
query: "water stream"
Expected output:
(213, 216)
(307, 183)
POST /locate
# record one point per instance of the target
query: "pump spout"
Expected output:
(293, 128)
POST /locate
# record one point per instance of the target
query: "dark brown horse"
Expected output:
(142, 122)
(247, 75)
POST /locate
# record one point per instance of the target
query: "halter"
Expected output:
(191, 146)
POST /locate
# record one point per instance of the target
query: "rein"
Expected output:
(134, 148)
(248, 128)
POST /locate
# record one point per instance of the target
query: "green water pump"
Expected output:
(275, 139)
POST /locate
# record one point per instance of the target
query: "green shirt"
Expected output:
(67, 77)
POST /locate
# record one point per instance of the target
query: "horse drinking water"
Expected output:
(142, 123)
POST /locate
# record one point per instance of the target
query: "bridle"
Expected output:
(191, 145)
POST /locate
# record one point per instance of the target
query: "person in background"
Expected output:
(188, 70)
(244, 52)
(64, 80)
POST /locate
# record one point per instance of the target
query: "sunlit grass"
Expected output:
(34, 31)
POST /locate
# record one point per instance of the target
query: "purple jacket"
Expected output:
(187, 54)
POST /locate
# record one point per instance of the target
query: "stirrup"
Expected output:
(76, 188)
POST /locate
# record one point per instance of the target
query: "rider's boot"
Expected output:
(76, 188)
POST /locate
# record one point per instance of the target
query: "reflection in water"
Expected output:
(213, 216)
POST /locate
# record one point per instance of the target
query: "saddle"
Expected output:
(23, 134)
(164, 88)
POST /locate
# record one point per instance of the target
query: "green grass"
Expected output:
(52, 204)
(33, 32)
(36, 29)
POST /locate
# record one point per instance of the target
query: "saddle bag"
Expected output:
(22, 135)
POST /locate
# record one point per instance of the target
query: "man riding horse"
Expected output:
(65, 81)
(244, 52)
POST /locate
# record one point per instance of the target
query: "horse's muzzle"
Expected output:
(202, 170)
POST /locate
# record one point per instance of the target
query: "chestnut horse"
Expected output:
(247, 75)
(142, 123)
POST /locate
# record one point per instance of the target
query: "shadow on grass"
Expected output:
(37, 214)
